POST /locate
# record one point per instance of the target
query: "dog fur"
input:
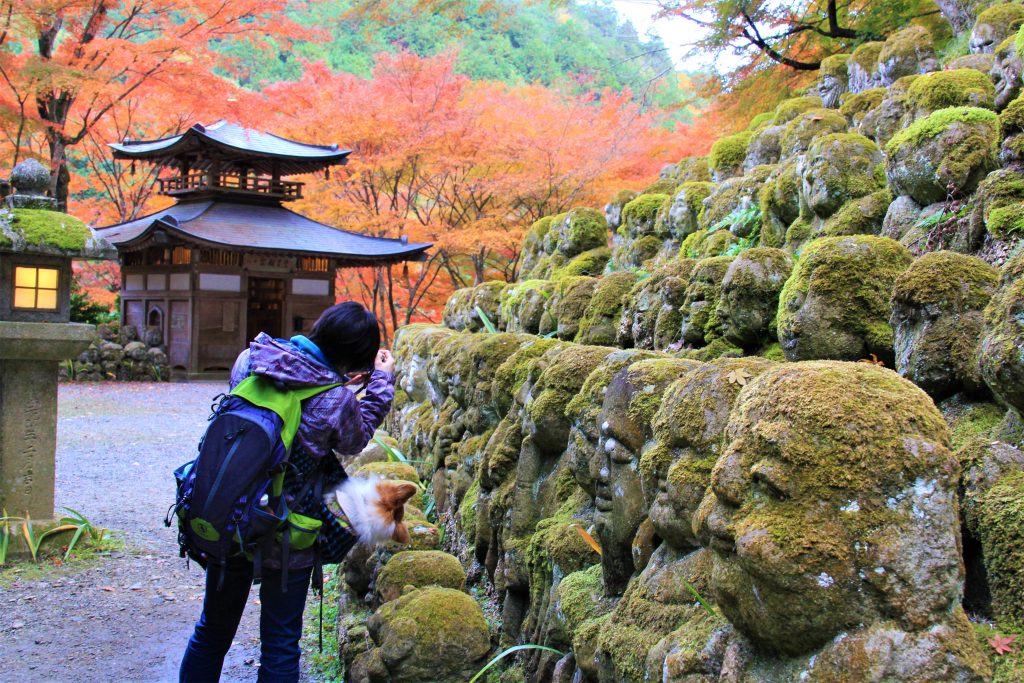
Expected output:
(375, 507)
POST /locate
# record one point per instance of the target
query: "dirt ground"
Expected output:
(126, 617)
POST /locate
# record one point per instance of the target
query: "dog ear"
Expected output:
(401, 534)
(403, 492)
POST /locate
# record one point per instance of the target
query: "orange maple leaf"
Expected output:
(1002, 644)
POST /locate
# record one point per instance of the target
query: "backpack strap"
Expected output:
(287, 403)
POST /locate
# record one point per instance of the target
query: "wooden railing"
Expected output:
(234, 182)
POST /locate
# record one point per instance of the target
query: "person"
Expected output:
(343, 346)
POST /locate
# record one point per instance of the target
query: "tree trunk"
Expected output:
(60, 177)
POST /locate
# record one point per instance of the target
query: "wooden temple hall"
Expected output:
(228, 260)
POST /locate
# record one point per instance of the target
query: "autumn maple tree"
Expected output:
(65, 65)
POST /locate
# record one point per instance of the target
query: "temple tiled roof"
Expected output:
(234, 143)
(260, 228)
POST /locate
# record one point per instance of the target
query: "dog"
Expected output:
(373, 507)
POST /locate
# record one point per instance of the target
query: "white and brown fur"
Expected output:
(375, 507)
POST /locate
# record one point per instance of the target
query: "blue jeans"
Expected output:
(280, 624)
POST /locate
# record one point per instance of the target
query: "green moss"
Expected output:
(601, 318)
(959, 88)
(695, 195)
(468, 508)
(590, 262)
(638, 252)
(798, 233)
(1012, 118)
(853, 277)
(587, 229)
(947, 280)
(638, 216)
(389, 470)
(445, 627)
(1001, 197)
(654, 375)
(1001, 531)
(579, 597)
(1005, 16)
(43, 228)
(760, 121)
(905, 44)
(866, 56)
(834, 65)
(855, 106)
(779, 202)
(419, 568)
(970, 422)
(861, 216)
(716, 348)
(729, 152)
(517, 369)
(787, 110)
(661, 186)
(1006, 668)
(693, 169)
(773, 352)
(804, 128)
(934, 124)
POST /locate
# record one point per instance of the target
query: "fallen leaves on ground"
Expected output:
(1002, 644)
(739, 376)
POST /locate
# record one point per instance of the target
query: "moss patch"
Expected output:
(419, 568)
(866, 56)
(1001, 531)
(958, 88)
(729, 152)
(638, 216)
(855, 106)
(862, 216)
(43, 228)
(804, 128)
(948, 280)
(934, 124)
(787, 110)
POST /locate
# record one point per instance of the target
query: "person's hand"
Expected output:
(384, 361)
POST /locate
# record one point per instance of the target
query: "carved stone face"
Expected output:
(688, 432)
(1006, 76)
(625, 423)
(832, 87)
(798, 499)
(701, 295)
(937, 321)
(749, 298)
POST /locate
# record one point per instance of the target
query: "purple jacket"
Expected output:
(335, 419)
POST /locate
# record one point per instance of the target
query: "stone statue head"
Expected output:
(833, 80)
(688, 432)
(835, 305)
(1006, 71)
(626, 423)
(994, 25)
(837, 486)
(836, 169)
(1001, 362)
(749, 298)
(937, 321)
(700, 297)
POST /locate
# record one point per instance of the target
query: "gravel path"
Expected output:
(127, 618)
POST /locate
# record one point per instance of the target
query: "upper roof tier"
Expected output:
(234, 148)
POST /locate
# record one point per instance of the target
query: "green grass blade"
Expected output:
(74, 540)
(393, 453)
(703, 603)
(488, 325)
(509, 651)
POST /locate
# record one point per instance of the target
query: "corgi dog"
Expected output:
(373, 507)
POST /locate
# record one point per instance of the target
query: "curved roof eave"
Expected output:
(411, 252)
(162, 147)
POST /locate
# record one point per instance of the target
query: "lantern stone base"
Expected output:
(29, 355)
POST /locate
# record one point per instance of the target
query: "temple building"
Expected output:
(228, 260)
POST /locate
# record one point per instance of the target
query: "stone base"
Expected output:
(18, 550)
(29, 355)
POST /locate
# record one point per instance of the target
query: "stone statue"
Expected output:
(31, 181)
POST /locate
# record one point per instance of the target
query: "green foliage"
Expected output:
(740, 220)
(514, 42)
(85, 310)
(508, 651)
(34, 540)
(486, 320)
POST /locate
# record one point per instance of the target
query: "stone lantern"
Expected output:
(37, 245)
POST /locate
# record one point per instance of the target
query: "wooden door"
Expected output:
(265, 307)
(179, 334)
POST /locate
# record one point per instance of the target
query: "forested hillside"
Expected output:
(587, 45)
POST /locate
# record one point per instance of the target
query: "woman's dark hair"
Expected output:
(349, 336)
